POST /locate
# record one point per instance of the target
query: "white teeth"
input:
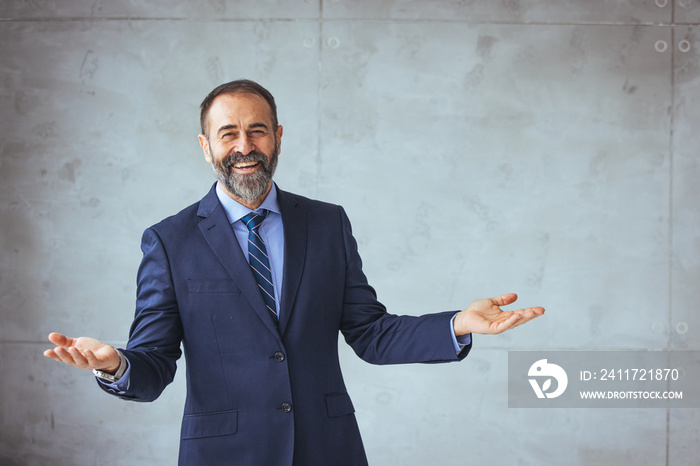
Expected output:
(245, 164)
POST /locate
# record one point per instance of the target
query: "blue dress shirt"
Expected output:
(271, 230)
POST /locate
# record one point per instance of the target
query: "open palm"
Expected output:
(486, 316)
(83, 352)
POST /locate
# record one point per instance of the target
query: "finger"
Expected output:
(64, 356)
(49, 353)
(532, 312)
(505, 299)
(512, 321)
(528, 315)
(59, 339)
(93, 360)
(78, 357)
(536, 310)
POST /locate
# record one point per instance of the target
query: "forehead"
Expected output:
(242, 108)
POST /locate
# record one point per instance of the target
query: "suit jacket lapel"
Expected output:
(295, 237)
(219, 235)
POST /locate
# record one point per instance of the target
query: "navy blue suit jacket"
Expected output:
(258, 394)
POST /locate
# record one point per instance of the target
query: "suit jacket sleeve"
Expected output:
(382, 338)
(156, 333)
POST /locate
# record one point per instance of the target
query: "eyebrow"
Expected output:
(252, 125)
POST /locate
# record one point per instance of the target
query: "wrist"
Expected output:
(111, 370)
(112, 374)
(457, 325)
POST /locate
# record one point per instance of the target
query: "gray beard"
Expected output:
(247, 187)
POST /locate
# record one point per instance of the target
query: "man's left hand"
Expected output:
(486, 316)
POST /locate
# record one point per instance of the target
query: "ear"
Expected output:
(278, 136)
(204, 142)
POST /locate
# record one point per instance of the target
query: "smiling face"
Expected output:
(242, 146)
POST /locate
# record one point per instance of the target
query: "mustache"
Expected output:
(237, 157)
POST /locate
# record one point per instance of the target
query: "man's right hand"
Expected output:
(83, 352)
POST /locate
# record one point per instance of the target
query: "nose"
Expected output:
(245, 144)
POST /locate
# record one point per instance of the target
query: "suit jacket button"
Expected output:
(279, 356)
(286, 407)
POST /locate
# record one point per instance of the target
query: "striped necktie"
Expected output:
(259, 261)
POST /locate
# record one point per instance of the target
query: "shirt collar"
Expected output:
(236, 211)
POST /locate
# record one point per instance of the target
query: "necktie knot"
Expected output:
(253, 220)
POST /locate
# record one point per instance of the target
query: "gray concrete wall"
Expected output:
(539, 146)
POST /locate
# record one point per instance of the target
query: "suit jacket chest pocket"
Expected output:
(219, 307)
(209, 297)
(196, 286)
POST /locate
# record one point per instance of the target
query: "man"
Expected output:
(256, 283)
